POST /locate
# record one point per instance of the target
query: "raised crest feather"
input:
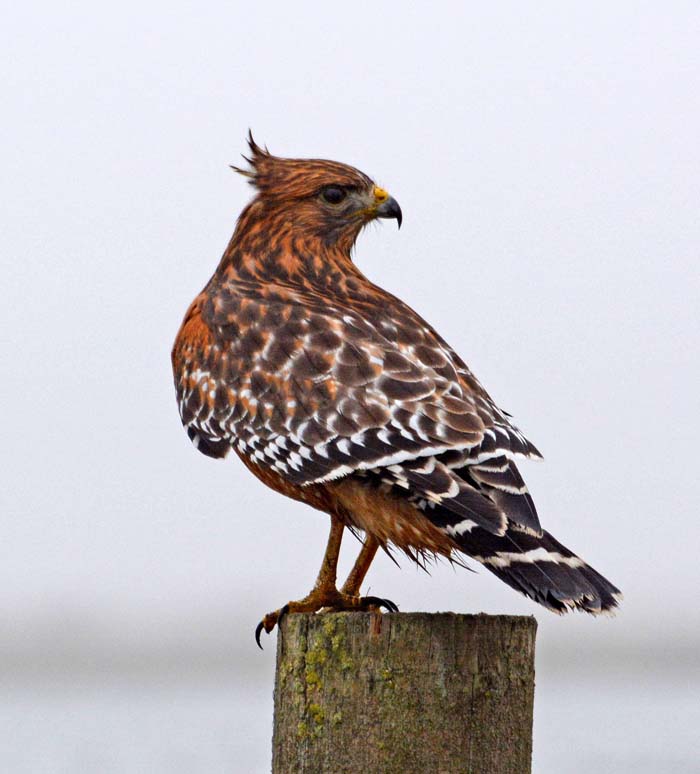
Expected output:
(257, 155)
(282, 178)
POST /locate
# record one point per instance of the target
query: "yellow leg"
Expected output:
(329, 566)
(359, 570)
(324, 593)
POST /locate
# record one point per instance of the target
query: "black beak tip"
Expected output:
(391, 209)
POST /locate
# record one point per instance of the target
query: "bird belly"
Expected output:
(388, 518)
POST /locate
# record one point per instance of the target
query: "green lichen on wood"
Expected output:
(404, 693)
(320, 652)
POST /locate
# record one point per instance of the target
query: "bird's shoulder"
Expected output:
(369, 322)
(267, 365)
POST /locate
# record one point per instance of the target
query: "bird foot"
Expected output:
(323, 600)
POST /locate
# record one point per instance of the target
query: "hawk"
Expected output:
(336, 393)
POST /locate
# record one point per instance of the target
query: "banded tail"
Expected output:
(543, 569)
(486, 509)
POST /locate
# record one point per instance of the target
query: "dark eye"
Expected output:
(333, 194)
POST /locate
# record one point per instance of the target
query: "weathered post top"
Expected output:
(404, 693)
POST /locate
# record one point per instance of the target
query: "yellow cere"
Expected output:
(380, 194)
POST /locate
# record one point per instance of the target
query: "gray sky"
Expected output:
(547, 162)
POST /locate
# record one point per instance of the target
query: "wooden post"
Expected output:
(404, 693)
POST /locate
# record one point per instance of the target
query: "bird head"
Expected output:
(320, 198)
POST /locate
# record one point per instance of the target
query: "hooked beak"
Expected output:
(390, 209)
(386, 206)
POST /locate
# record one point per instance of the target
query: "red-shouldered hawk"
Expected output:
(336, 393)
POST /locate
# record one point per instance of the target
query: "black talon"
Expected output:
(386, 603)
(259, 628)
(258, 632)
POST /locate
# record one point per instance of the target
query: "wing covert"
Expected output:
(320, 393)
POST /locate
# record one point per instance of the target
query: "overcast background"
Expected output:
(547, 160)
